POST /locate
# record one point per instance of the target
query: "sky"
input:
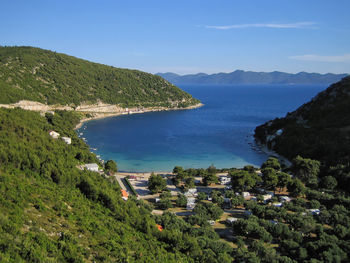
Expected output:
(189, 36)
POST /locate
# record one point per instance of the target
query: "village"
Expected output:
(217, 198)
(218, 202)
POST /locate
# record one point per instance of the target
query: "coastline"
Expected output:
(126, 111)
(97, 111)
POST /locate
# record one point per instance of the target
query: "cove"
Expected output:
(220, 133)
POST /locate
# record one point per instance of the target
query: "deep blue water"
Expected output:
(219, 133)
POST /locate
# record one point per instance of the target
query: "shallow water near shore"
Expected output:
(219, 133)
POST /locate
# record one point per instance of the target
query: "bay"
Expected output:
(220, 133)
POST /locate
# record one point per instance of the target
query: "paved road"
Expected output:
(120, 182)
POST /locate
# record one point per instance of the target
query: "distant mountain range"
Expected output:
(250, 77)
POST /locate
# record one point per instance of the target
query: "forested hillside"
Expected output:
(51, 211)
(28, 73)
(319, 129)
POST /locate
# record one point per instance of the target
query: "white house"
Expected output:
(266, 197)
(225, 179)
(285, 199)
(54, 134)
(91, 167)
(230, 220)
(190, 206)
(314, 211)
(67, 140)
(277, 204)
(191, 192)
(245, 194)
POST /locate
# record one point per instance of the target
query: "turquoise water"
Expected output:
(219, 133)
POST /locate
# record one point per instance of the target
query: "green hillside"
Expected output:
(28, 73)
(319, 129)
(51, 211)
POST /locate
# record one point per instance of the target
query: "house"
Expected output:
(190, 206)
(314, 211)
(230, 220)
(225, 179)
(270, 193)
(191, 192)
(277, 204)
(125, 194)
(67, 140)
(266, 197)
(211, 222)
(191, 203)
(157, 200)
(93, 167)
(285, 199)
(245, 194)
(191, 200)
(54, 134)
(160, 228)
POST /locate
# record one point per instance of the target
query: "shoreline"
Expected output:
(126, 111)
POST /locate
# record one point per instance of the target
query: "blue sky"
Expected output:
(187, 36)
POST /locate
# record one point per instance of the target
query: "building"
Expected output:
(314, 211)
(67, 140)
(211, 222)
(285, 199)
(93, 167)
(125, 194)
(266, 197)
(54, 134)
(245, 194)
(191, 192)
(230, 220)
(191, 203)
(277, 204)
(190, 206)
(225, 179)
(160, 228)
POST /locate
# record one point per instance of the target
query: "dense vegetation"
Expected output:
(319, 129)
(28, 73)
(313, 226)
(51, 211)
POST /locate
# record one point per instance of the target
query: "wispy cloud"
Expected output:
(310, 25)
(320, 58)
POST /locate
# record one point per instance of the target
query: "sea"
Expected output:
(220, 133)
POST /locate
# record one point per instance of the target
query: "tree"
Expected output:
(201, 196)
(156, 183)
(329, 182)
(189, 182)
(211, 169)
(178, 169)
(270, 178)
(283, 180)
(181, 200)
(242, 180)
(210, 179)
(273, 163)
(111, 166)
(306, 170)
(296, 187)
